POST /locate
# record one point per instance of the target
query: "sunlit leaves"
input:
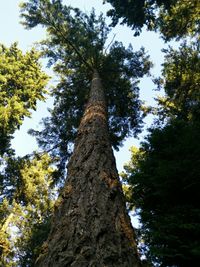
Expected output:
(181, 82)
(22, 83)
(182, 19)
(26, 208)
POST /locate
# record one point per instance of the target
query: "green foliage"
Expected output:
(76, 45)
(181, 82)
(174, 18)
(137, 13)
(80, 36)
(24, 183)
(164, 175)
(22, 83)
(181, 20)
(26, 209)
(7, 217)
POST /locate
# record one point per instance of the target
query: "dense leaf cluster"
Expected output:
(165, 175)
(22, 83)
(174, 18)
(136, 13)
(27, 202)
(181, 82)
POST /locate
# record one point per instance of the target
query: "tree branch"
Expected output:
(110, 42)
(58, 29)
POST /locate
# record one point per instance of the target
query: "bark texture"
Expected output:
(91, 227)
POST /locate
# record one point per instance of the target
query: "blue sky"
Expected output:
(11, 31)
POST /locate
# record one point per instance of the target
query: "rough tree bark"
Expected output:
(91, 226)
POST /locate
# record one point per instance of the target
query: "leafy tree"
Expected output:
(22, 83)
(90, 224)
(174, 18)
(26, 209)
(164, 173)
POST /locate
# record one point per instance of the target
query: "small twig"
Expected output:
(110, 43)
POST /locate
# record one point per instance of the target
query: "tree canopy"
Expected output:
(76, 44)
(174, 18)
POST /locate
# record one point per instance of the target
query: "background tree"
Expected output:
(164, 173)
(28, 200)
(22, 83)
(90, 225)
(164, 176)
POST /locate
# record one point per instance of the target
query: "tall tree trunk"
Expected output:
(91, 226)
